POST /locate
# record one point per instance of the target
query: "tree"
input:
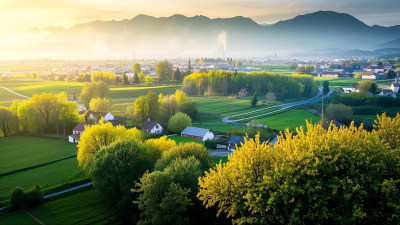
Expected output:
(177, 74)
(149, 80)
(307, 69)
(153, 105)
(141, 107)
(388, 129)
(136, 68)
(141, 76)
(293, 66)
(333, 176)
(8, 121)
(44, 104)
(390, 74)
(358, 75)
(255, 127)
(179, 122)
(181, 97)
(125, 79)
(270, 97)
(168, 108)
(100, 105)
(201, 61)
(189, 68)
(367, 85)
(102, 135)
(190, 109)
(185, 150)
(94, 90)
(253, 100)
(339, 112)
(164, 70)
(161, 200)
(116, 167)
(136, 79)
(325, 86)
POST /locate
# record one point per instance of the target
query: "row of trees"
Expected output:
(161, 107)
(107, 77)
(42, 114)
(225, 83)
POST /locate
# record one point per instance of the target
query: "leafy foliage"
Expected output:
(339, 112)
(179, 122)
(334, 176)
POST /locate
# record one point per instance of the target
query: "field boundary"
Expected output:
(35, 166)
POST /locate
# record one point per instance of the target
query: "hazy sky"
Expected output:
(34, 19)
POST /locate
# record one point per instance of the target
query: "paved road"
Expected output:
(316, 98)
(14, 92)
(220, 153)
(59, 192)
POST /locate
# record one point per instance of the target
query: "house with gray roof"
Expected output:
(198, 133)
(77, 132)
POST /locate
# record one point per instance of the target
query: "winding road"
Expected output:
(316, 98)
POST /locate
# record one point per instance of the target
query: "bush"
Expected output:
(212, 144)
(367, 110)
(339, 112)
(20, 199)
(178, 122)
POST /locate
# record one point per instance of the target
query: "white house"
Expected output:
(108, 117)
(395, 87)
(369, 77)
(198, 133)
(77, 132)
(152, 127)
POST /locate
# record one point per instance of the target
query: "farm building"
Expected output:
(152, 127)
(77, 132)
(198, 133)
(237, 141)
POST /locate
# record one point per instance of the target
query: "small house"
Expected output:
(198, 133)
(243, 93)
(77, 132)
(238, 141)
(395, 87)
(152, 127)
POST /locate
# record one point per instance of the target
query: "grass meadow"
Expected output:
(79, 208)
(347, 82)
(21, 152)
(289, 119)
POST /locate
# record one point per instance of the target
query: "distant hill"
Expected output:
(181, 36)
(391, 44)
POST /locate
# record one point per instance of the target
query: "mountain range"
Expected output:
(320, 33)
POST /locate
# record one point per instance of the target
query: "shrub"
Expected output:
(21, 199)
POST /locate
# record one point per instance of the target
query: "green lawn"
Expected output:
(217, 159)
(80, 208)
(347, 82)
(219, 127)
(289, 119)
(179, 139)
(6, 97)
(47, 177)
(18, 152)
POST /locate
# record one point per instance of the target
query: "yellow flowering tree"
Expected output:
(334, 176)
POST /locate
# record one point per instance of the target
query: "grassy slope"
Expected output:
(80, 208)
(20, 152)
(289, 119)
(347, 82)
(47, 177)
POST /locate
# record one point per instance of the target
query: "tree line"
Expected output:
(160, 107)
(226, 83)
(43, 113)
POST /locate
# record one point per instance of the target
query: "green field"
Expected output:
(282, 69)
(79, 208)
(6, 97)
(47, 177)
(19, 152)
(179, 139)
(289, 119)
(347, 82)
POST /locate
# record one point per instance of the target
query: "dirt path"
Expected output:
(15, 92)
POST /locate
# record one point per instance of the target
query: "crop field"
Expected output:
(289, 119)
(347, 82)
(80, 208)
(21, 152)
(118, 93)
(51, 163)
(282, 69)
